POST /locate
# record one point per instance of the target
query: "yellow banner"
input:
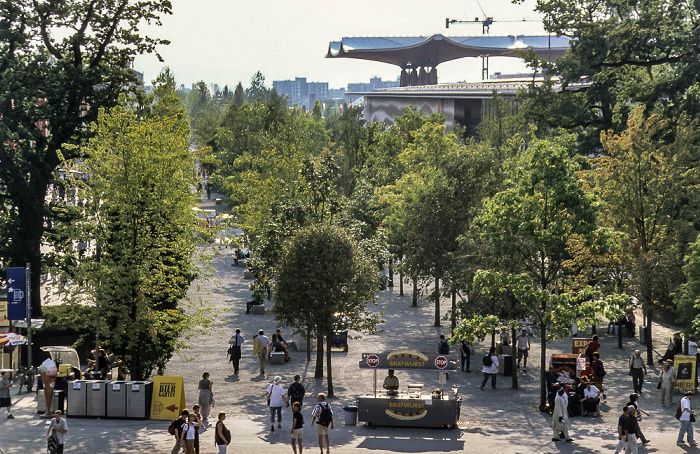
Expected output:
(168, 397)
(3, 314)
(685, 371)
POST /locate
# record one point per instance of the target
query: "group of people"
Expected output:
(321, 415)
(263, 348)
(189, 425)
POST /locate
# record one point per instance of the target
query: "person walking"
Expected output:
(634, 402)
(58, 430)
(621, 436)
(296, 391)
(260, 347)
(222, 436)
(490, 368)
(638, 370)
(465, 353)
(177, 426)
(5, 401)
(667, 380)
(297, 427)
(277, 399)
(199, 426)
(324, 414)
(206, 396)
(560, 418)
(631, 431)
(523, 344)
(443, 347)
(686, 418)
(235, 350)
(187, 434)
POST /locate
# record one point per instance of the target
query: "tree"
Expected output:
(529, 223)
(61, 62)
(257, 90)
(239, 95)
(143, 173)
(324, 280)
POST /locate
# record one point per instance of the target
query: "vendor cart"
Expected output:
(413, 407)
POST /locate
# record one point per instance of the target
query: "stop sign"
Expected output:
(441, 362)
(373, 360)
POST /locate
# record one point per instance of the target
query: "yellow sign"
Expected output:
(685, 371)
(168, 397)
(3, 313)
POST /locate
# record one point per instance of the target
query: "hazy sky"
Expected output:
(227, 41)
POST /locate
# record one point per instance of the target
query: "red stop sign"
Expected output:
(441, 362)
(373, 360)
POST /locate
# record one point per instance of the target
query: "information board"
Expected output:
(168, 397)
(685, 372)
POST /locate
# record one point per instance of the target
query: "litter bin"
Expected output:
(58, 401)
(138, 399)
(116, 399)
(97, 398)
(350, 415)
(642, 334)
(507, 361)
(77, 398)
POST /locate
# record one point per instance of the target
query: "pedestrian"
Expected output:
(490, 368)
(637, 370)
(187, 434)
(199, 426)
(260, 346)
(621, 436)
(206, 396)
(297, 427)
(598, 373)
(222, 436)
(443, 347)
(465, 353)
(667, 380)
(324, 414)
(523, 343)
(276, 399)
(687, 416)
(296, 391)
(631, 431)
(177, 426)
(560, 418)
(5, 386)
(634, 402)
(591, 400)
(57, 430)
(592, 347)
(235, 349)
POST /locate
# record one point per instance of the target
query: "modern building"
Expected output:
(301, 92)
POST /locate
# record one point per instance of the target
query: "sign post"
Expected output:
(28, 284)
(168, 397)
(685, 372)
(16, 293)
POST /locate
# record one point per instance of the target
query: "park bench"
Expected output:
(258, 309)
(277, 358)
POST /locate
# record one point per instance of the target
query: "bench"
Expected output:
(258, 309)
(277, 358)
(248, 275)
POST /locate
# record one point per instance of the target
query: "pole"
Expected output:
(28, 284)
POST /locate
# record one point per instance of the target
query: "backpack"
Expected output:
(326, 416)
(171, 426)
(600, 370)
(175, 426)
(589, 352)
(444, 348)
(678, 411)
(488, 362)
(230, 353)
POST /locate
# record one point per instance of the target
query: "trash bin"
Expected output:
(97, 398)
(138, 399)
(116, 399)
(58, 401)
(77, 398)
(642, 334)
(507, 361)
(350, 415)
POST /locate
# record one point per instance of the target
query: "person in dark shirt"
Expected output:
(637, 415)
(621, 426)
(297, 427)
(296, 391)
(631, 429)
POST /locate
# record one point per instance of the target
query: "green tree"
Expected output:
(60, 62)
(257, 90)
(143, 172)
(239, 95)
(323, 280)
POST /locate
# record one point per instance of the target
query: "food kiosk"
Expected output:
(414, 407)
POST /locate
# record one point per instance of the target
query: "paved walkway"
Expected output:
(493, 421)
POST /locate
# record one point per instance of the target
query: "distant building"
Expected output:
(301, 92)
(375, 83)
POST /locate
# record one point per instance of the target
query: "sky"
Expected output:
(227, 41)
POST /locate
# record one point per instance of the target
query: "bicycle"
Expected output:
(26, 377)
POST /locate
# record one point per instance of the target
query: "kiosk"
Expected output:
(414, 408)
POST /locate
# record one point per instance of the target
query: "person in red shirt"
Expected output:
(593, 347)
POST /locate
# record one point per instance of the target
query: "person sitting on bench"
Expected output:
(256, 301)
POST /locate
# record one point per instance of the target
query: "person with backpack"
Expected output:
(638, 369)
(175, 428)
(187, 434)
(598, 373)
(297, 427)
(222, 436)
(465, 353)
(324, 414)
(490, 368)
(57, 431)
(592, 347)
(296, 391)
(443, 347)
(234, 350)
(686, 416)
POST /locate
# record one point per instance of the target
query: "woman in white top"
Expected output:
(667, 379)
(187, 434)
(277, 398)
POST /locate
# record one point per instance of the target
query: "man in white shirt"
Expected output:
(591, 399)
(58, 429)
(490, 368)
(523, 348)
(235, 350)
(686, 424)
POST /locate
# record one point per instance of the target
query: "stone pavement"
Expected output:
(492, 421)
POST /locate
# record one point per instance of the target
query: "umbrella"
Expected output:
(11, 339)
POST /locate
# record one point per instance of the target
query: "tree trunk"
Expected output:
(415, 294)
(650, 350)
(454, 309)
(619, 333)
(593, 329)
(543, 364)
(308, 344)
(514, 359)
(391, 273)
(319, 356)
(329, 376)
(437, 302)
(28, 249)
(400, 284)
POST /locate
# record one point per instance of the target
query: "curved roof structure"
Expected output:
(421, 51)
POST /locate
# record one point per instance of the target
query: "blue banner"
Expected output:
(16, 294)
